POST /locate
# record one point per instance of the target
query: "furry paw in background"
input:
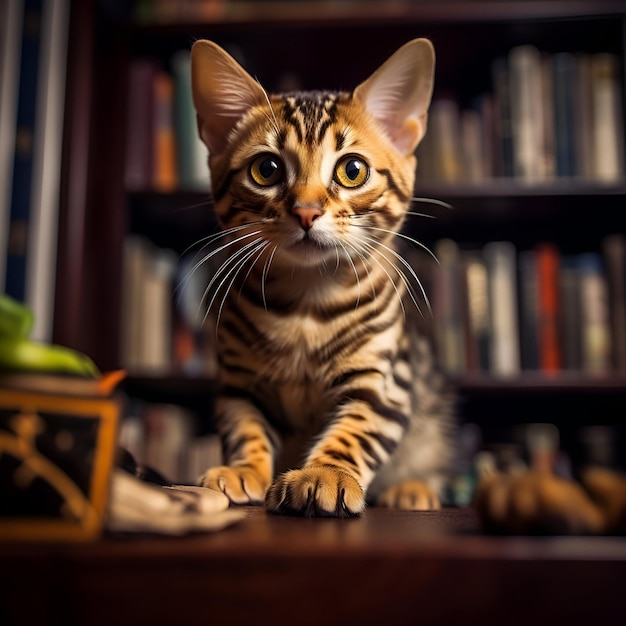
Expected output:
(542, 503)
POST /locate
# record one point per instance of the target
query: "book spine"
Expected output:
(448, 307)
(11, 15)
(570, 318)
(478, 325)
(21, 187)
(446, 140)
(165, 168)
(564, 75)
(583, 104)
(529, 310)
(594, 315)
(526, 112)
(608, 135)
(614, 248)
(501, 264)
(191, 153)
(548, 307)
(140, 124)
(503, 124)
(47, 153)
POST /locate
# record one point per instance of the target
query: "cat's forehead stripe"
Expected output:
(310, 114)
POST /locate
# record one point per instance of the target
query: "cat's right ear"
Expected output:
(398, 94)
(222, 93)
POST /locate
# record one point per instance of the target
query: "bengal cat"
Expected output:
(321, 376)
(329, 397)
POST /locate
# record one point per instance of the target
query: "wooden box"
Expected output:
(57, 449)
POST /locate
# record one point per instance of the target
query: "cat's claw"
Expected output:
(242, 485)
(323, 491)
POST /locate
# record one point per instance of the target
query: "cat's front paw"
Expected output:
(536, 503)
(411, 495)
(323, 491)
(242, 485)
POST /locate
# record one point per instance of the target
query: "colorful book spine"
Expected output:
(547, 263)
(191, 153)
(165, 168)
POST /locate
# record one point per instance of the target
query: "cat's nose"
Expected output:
(307, 215)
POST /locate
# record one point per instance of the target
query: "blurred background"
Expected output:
(103, 188)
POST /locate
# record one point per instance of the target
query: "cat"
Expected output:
(329, 398)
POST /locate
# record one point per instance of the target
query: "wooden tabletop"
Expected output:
(384, 567)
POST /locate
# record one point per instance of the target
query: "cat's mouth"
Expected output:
(310, 248)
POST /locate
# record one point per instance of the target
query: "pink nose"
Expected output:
(307, 215)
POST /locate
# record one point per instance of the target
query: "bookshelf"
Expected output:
(323, 45)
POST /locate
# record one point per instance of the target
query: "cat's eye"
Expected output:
(351, 172)
(266, 170)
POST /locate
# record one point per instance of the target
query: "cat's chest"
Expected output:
(296, 344)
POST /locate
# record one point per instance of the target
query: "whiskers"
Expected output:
(445, 205)
(244, 246)
(380, 253)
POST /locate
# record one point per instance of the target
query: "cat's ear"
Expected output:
(398, 93)
(222, 93)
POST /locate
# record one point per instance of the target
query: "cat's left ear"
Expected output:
(223, 92)
(398, 93)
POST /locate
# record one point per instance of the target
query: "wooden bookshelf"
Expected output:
(97, 211)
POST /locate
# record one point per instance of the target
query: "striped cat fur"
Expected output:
(329, 397)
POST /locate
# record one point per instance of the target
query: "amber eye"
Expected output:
(266, 170)
(351, 171)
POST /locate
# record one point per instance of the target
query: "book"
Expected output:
(570, 321)
(445, 140)
(500, 258)
(548, 140)
(564, 95)
(164, 165)
(529, 310)
(135, 258)
(608, 127)
(584, 116)
(156, 330)
(594, 314)
(11, 14)
(527, 123)
(47, 157)
(614, 250)
(548, 307)
(447, 307)
(36, 141)
(168, 432)
(191, 153)
(485, 107)
(477, 304)
(23, 148)
(140, 124)
(147, 301)
(474, 165)
(502, 119)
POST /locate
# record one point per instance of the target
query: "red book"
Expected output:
(548, 262)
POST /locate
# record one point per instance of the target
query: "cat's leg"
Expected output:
(340, 466)
(248, 443)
